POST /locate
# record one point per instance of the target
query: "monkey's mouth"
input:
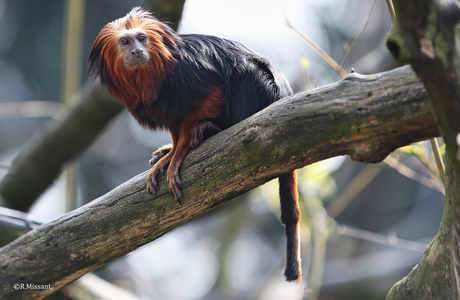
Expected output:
(136, 61)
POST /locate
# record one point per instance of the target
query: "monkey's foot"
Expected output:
(197, 133)
(174, 182)
(158, 167)
(159, 153)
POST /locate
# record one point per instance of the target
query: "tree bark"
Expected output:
(425, 35)
(366, 117)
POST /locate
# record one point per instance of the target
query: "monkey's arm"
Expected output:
(197, 138)
(173, 154)
(190, 135)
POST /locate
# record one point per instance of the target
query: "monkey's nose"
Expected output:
(137, 51)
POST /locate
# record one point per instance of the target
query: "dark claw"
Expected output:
(179, 198)
(152, 186)
(152, 191)
(179, 183)
(176, 192)
(155, 158)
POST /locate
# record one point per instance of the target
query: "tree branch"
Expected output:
(425, 35)
(366, 117)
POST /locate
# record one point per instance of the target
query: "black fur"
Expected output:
(249, 81)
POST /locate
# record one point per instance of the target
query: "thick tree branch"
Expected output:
(364, 116)
(425, 35)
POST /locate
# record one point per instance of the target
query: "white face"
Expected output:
(133, 44)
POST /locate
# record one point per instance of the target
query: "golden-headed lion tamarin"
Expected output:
(194, 86)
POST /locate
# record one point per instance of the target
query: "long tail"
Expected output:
(290, 217)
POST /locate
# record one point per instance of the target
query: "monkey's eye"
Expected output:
(124, 42)
(142, 38)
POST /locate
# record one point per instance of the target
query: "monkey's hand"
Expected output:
(161, 159)
(159, 153)
(172, 176)
(158, 167)
(174, 156)
(193, 140)
(174, 182)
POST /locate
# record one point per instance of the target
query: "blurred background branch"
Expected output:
(40, 162)
(72, 48)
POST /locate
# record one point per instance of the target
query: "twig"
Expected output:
(320, 51)
(426, 162)
(357, 35)
(31, 109)
(391, 10)
(409, 173)
(438, 158)
(387, 240)
(359, 182)
(17, 219)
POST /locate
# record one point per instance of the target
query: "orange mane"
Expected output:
(131, 85)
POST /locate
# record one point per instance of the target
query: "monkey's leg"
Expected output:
(198, 132)
(167, 154)
(191, 135)
(197, 138)
(290, 217)
(160, 152)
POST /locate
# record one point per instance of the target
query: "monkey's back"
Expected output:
(248, 81)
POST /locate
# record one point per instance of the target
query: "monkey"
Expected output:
(194, 86)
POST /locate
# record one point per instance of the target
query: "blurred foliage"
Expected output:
(423, 152)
